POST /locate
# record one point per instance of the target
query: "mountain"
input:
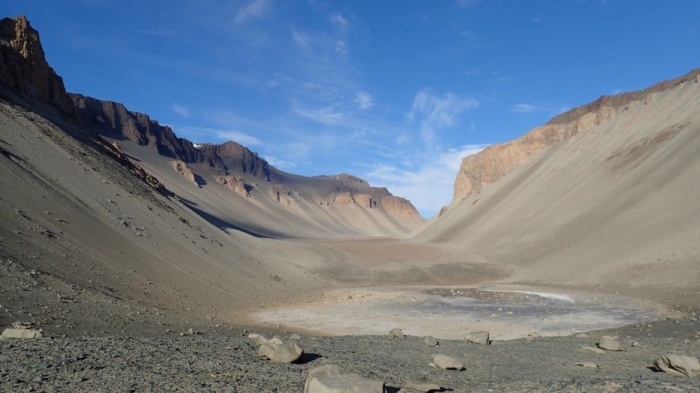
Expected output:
(265, 200)
(107, 209)
(604, 193)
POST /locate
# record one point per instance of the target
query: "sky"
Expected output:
(393, 91)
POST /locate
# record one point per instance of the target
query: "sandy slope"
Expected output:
(612, 206)
(69, 211)
(263, 213)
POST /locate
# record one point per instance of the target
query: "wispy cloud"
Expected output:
(532, 108)
(340, 21)
(327, 115)
(280, 163)
(301, 39)
(439, 171)
(364, 101)
(341, 47)
(180, 110)
(525, 108)
(254, 9)
(438, 111)
(203, 133)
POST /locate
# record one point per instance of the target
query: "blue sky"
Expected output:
(395, 91)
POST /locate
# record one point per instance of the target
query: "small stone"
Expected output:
(609, 343)
(447, 362)
(587, 365)
(481, 338)
(396, 332)
(22, 333)
(431, 341)
(279, 351)
(329, 378)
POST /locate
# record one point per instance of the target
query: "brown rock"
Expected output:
(680, 365)
(398, 206)
(447, 362)
(279, 351)
(183, 169)
(236, 184)
(23, 66)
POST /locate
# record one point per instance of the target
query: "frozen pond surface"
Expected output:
(507, 313)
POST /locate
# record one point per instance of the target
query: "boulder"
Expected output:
(587, 365)
(22, 333)
(419, 387)
(330, 378)
(396, 332)
(481, 338)
(447, 362)
(609, 343)
(431, 341)
(279, 351)
(678, 365)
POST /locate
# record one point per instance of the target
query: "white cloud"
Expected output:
(302, 39)
(180, 110)
(280, 163)
(253, 9)
(340, 21)
(525, 108)
(341, 48)
(244, 139)
(438, 111)
(325, 115)
(531, 108)
(364, 100)
(430, 185)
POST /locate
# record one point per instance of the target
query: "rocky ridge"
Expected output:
(496, 161)
(23, 66)
(232, 164)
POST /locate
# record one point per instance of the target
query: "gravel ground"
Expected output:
(229, 363)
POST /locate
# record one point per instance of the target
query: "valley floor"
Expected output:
(96, 342)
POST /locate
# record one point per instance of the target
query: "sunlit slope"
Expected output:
(607, 193)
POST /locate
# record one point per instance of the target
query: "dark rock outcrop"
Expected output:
(24, 69)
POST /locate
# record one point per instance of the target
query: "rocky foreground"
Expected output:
(229, 362)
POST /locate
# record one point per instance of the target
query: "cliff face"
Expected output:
(239, 159)
(399, 206)
(23, 66)
(497, 161)
(115, 120)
